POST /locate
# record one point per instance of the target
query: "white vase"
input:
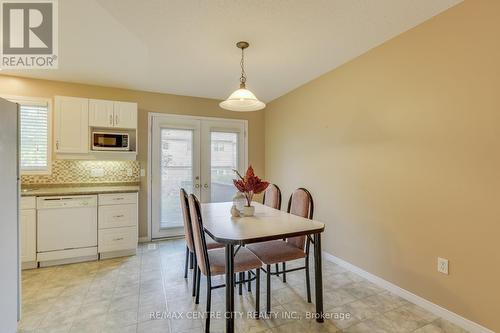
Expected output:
(249, 210)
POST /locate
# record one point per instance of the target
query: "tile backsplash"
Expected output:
(87, 172)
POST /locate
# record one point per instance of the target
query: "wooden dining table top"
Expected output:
(267, 224)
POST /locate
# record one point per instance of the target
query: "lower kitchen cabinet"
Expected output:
(117, 225)
(117, 239)
(28, 232)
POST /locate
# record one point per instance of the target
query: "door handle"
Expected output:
(197, 186)
(205, 186)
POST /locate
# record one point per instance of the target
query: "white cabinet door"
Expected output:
(125, 115)
(28, 235)
(71, 124)
(101, 113)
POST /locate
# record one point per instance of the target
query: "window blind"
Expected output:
(34, 137)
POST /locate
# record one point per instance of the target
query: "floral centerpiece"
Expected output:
(249, 185)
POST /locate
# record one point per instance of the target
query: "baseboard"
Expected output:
(422, 302)
(144, 239)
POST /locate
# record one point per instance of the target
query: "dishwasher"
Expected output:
(66, 229)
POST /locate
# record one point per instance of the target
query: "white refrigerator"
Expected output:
(9, 218)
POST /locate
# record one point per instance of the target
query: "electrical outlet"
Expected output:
(443, 265)
(143, 173)
(97, 172)
(130, 172)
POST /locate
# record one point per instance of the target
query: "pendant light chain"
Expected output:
(242, 99)
(243, 78)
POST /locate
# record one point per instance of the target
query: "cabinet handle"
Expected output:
(118, 239)
(116, 199)
(118, 216)
(205, 186)
(116, 119)
(57, 145)
(111, 119)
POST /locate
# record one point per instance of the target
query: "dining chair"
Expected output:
(293, 248)
(213, 262)
(188, 231)
(272, 196)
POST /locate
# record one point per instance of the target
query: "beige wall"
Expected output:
(148, 102)
(401, 151)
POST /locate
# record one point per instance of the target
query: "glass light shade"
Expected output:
(242, 100)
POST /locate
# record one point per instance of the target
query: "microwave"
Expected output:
(110, 141)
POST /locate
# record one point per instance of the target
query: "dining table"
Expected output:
(265, 225)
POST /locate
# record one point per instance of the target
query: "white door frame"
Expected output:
(150, 166)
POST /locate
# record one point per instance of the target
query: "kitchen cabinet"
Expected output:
(112, 114)
(71, 125)
(28, 232)
(101, 113)
(125, 115)
(117, 224)
(75, 118)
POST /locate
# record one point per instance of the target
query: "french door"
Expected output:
(197, 154)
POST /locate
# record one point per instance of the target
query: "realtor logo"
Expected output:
(29, 34)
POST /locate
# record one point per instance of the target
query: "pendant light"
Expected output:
(242, 99)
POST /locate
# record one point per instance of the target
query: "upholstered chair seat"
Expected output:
(273, 252)
(244, 261)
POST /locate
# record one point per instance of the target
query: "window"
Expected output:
(218, 146)
(34, 134)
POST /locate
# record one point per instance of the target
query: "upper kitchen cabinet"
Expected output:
(71, 125)
(112, 114)
(101, 113)
(125, 115)
(77, 119)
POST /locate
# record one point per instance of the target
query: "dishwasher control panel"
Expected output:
(66, 201)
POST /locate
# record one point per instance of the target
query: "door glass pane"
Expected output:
(176, 152)
(224, 159)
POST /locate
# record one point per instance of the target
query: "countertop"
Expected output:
(77, 190)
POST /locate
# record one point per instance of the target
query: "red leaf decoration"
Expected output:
(250, 184)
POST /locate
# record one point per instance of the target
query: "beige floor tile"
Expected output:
(58, 328)
(440, 326)
(119, 295)
(128, 329)
(403, 320)
(59, 316)
(124, 303)
(121, 318)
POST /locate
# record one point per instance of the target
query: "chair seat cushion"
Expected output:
(244, 261)
(211, 244)
(276, 251)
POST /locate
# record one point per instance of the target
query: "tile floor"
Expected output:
(147, 293)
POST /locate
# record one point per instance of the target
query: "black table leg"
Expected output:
(229, 288)
(318, 277)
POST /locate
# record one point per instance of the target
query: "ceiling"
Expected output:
(187, 47)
